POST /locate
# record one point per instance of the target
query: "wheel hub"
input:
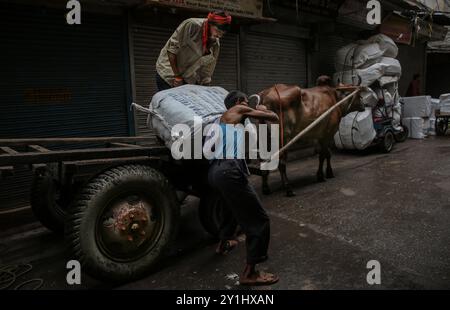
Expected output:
(127, 225)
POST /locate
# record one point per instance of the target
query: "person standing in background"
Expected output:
(414, 87)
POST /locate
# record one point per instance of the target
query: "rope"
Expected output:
(10, 273)
(313, 124)
(281, 117)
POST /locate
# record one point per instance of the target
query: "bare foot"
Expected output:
(258, 278)
(225, 246)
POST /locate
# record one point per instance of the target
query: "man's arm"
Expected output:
(238, 112)
(178, 39)
(173, 63)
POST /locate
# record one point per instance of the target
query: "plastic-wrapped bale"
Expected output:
(369, 98)
(364, 53)
(444, 103)
(355, 131)
(367, 76)
(357, 56)
(415, 126)
(428, 126)
(180, 105)
(386, 80)
(419, 106)
(386, 44)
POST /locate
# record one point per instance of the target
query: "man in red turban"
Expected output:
(190, 55)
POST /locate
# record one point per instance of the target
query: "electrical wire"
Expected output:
(10, 273)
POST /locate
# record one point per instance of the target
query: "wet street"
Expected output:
(393, 208)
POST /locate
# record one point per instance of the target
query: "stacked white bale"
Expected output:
(415, 126)
(382, 67)
(371, 63)
(356, 131)
(444, 103)
(415, 108)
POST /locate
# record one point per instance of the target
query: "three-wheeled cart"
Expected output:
(386, 133)
(115, 198)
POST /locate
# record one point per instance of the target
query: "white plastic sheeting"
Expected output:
(415, 126)
(363, 54)
(356, 131)
(369, 75)
(180, 105)
(387, 45)
(444, 103)
(419, 106)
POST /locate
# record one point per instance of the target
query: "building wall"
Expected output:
(413, 61)
(438, 74)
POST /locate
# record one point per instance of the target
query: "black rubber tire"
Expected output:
(388, 142)
(85, 213)
(402, 136)
(43, 200)
(209, 213)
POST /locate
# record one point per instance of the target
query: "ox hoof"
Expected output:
(330, 175)
(321, 179)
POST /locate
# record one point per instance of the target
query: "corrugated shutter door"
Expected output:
(147, 43)
(43, 59)
(226, 73)
(272, 60)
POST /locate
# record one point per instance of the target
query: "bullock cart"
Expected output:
(114, 198)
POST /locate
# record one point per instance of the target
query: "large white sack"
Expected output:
(392, 66)
(357, 56)
(385, 80)
(180, 105)
(367, 76)
(344, 57)
(444, 103)
(419, 106)
(435, 105)
(386, 44)
(369, 97)
(365, 52)
(355, 131)
(415, 126)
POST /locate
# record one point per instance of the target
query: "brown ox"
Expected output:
(300, 107)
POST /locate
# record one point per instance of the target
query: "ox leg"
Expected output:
(284, 178)
(330, 173)
(265, 182)
(322, 157)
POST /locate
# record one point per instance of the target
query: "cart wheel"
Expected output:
(123, 222)
(388, 142)
(402, 136)
(46, 202)
(441, 127)
(210, 212)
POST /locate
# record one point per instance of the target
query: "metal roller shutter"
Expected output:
(147, 42)
(226, 73)
(59, 80)
(273, 60)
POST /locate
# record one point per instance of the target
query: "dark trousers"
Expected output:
(240, 205)
(161, 84)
